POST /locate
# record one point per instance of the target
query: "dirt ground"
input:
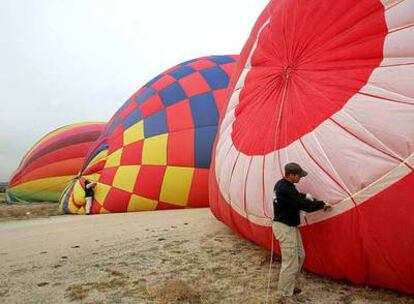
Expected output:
(178, 256)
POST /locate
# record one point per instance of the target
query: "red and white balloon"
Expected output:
(329, 85)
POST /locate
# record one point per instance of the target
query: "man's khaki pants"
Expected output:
(293, 256)
(88, 206)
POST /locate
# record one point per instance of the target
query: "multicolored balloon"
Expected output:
(52, 163)
(329, 85)
(155, 151)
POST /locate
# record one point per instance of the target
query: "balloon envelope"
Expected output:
(326, 84)
(52, 163)
(155, 151)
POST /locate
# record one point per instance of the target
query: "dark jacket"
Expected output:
(88, 189)
(290, 201)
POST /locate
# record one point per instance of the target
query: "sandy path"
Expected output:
(179, 256)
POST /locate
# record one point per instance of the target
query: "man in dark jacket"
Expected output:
(287, 204)
(89, 192)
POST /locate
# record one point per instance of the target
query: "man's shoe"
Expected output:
(301, 298)
(279, 300)
(284, 300)
(290, 300)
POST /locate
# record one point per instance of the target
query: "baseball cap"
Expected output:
(294, 168)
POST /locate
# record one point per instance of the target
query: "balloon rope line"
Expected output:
(270, 271)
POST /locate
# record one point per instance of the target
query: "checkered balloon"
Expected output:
(155, 151)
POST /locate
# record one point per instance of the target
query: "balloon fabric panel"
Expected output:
(156, 149)
(52, 163)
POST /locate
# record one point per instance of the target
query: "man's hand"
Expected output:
(309, 197)
(91, 185)
(327, 207)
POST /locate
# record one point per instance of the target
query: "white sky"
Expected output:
(67, 61)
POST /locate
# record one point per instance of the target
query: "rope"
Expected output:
(270, 270)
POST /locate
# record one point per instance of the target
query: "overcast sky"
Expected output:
(68, 61)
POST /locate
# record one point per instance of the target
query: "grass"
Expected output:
(173, 291)
(76, 292)
(27, 211)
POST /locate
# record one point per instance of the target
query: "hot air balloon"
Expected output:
(52, 163)
(155, 151)
(328, 85)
